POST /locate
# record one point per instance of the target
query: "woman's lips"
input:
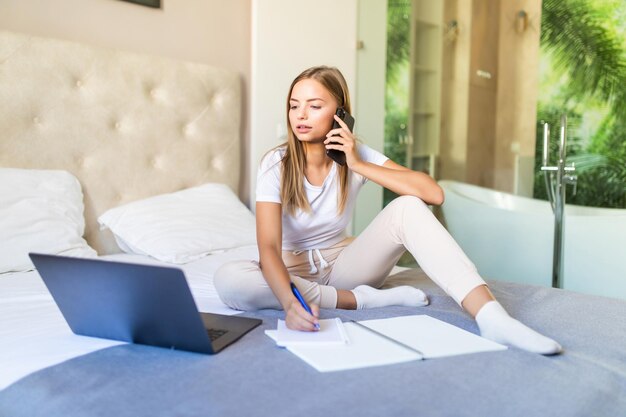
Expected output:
(303, 128)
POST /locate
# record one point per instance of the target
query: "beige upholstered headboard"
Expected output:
(126, 125)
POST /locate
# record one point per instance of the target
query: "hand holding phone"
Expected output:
(337, 155)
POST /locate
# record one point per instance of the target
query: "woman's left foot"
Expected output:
(370, 297)
(497, 325)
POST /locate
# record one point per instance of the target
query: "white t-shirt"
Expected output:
(323, 226)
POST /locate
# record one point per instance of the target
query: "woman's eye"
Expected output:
(316, 107)
(293, 107)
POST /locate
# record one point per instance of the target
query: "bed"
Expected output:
(132, 141)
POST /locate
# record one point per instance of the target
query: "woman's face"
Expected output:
(311, 110)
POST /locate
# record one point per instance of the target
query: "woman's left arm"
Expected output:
(401, 180)
(397, 178)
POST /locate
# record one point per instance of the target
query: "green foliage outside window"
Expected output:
(583, 74)
(396, 94)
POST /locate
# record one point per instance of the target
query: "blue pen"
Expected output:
(295, 291)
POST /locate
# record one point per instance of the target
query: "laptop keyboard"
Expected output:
(215, 333)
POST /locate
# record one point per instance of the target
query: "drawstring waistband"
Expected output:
(323, 263)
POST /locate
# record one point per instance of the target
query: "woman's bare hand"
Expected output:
(297, 318)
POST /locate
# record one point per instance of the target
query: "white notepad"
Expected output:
(331, 332)
(434, 338)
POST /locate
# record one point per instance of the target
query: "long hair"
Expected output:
(292, 191)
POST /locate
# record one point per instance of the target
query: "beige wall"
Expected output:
(455, 91)
(489, 97)
(518, 65)
(215, 32)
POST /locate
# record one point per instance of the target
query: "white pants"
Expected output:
(406, 223)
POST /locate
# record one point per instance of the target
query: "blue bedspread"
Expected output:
(253, 377)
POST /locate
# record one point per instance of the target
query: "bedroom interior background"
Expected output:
(195, 31)
(572, 318)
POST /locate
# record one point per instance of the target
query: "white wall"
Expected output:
(289, 36)
(370, 99)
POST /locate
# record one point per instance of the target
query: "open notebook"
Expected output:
(431, 337)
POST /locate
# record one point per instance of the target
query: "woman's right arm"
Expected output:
(269, 241)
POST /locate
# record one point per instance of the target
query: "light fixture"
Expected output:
(451, 31)
(521, 21)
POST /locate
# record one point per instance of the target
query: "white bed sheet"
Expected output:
(34, 335)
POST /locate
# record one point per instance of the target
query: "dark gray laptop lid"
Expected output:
(134, 303)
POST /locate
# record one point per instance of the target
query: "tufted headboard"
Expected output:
(128, 126)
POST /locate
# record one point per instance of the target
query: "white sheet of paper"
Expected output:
(364, 349)
(433, 337)
(331, 332)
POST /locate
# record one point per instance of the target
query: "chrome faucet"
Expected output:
(556, 179)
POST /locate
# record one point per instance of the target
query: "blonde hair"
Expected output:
(292, 193)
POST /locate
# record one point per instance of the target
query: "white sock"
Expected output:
(496, 324)
(370, 297)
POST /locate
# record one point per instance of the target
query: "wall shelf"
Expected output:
(425, 84)
(427, 23)
(421, 68)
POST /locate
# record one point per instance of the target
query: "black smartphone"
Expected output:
(334, 154)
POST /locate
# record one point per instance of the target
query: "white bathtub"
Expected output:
(511, 238)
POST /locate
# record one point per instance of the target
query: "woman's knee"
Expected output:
(408, 201)
(232, 280)
(241, 286)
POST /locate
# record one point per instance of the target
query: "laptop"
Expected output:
(145, 304)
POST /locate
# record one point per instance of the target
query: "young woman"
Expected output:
(304, 201)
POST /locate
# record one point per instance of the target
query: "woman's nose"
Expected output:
(302, 113)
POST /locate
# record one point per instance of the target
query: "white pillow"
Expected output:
(40, 211)
(182, 226)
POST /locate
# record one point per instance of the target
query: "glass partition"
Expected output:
(472, 87)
